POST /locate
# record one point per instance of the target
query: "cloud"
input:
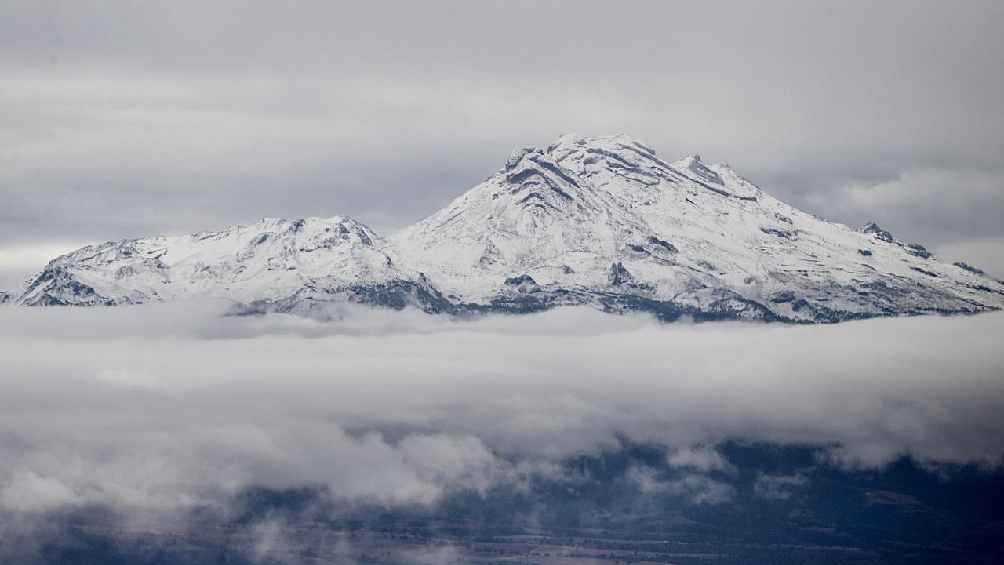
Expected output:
(700, 457)
(695, 487)
(26, 491)
(123, 120)
(985, 253)
(942, 204)
(778, 487)
(162, 407)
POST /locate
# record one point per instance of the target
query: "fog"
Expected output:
(161, 408)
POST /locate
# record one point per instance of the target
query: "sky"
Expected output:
(125, 119)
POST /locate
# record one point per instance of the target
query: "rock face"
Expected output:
(600, 221)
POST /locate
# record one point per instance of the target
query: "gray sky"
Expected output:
(123, 119)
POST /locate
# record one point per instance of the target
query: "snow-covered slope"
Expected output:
(600, 221)
(271, 262)
(604, 220)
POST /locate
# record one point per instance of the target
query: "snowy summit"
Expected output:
(600, 221)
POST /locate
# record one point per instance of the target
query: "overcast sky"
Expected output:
(125, 119)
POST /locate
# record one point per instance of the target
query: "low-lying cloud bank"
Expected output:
(163, 407)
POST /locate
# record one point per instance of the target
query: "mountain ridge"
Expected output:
(600, 221)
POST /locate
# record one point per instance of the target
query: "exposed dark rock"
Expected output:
(663, 244)
(917, 250)
(783, 297)
(970, 268)
(786, 234)
(878, 232)
(521, 279)
(619, 275)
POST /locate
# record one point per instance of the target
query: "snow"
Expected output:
(265, 260)
(586, 219)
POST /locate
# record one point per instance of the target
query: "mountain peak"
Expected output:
(246, 262)
(694, 164)
(600, 221)
(616, 142)
(876, 230)
(586, 214)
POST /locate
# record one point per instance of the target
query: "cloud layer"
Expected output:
(152, 407)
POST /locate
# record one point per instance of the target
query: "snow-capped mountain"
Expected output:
(286, 264)
(600, 221)
(605, 220)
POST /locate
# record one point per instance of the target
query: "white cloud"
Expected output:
(699, 457)
(398, 408)
(26, 491)
(695, 487)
